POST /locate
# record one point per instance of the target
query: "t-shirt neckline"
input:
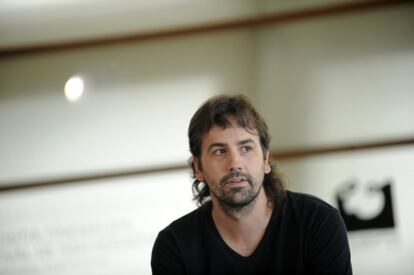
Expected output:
(230, 250)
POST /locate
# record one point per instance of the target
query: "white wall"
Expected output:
(323, 81)
(138, 101)
(343, 80)
(339, 79)
(374, 251)
(101, 227)
(43, 21)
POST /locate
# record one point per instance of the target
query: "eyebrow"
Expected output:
(215, 144)
(246, 141)
(220, 144)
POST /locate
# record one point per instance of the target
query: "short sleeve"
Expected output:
(328, 247)
(165, 257)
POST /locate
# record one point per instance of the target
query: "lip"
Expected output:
(237, 182)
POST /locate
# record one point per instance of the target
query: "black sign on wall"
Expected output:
(354, 198)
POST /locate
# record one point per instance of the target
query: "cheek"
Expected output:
(212, 173)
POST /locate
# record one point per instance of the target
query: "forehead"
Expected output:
(229, 135)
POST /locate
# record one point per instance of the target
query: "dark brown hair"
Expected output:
(216, 112)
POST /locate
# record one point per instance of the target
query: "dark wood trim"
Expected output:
(278, 155)
(306, 152)
(258, 20)
(65, 180)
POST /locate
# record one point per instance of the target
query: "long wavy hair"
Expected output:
(216, 112)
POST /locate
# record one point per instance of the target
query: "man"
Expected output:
(247, 223)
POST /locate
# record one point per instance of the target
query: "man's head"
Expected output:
(229, 142)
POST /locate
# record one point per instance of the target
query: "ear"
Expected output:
(267, 167)
(197, 169)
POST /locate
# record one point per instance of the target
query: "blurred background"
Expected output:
(96, 97)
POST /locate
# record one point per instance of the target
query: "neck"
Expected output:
(242, 229)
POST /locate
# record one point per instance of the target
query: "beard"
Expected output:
(237, 198)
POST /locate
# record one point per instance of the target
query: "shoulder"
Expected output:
(318, 221)
(308, 210)
(185, 228)
(306, 199)
(325, 241)
(305, 203)
(323, 234)
(175, 242)
(188, 221)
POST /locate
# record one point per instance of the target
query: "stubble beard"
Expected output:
(237, 199)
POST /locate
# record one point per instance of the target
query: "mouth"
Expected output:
(237, 181)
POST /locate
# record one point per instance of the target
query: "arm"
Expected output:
(165, 258)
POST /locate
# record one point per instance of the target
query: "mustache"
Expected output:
(236, 174)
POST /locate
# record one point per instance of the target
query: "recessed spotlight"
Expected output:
(74, 88)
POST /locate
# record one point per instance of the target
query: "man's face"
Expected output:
(232, 165)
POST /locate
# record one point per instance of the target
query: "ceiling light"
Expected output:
(74, 88)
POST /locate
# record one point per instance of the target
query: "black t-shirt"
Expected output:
(304, 236)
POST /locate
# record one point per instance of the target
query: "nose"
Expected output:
(234, 162)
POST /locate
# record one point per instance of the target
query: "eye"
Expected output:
(219, 151)
(246, 149)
